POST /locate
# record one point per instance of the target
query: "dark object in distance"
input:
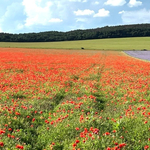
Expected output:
(82, 47)
(144, 50)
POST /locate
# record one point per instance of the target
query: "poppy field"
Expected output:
(73, 100)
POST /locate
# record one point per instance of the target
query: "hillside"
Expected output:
(132, 43)
(136, 30)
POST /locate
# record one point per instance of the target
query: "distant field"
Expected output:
(145, 55)
(137, 43)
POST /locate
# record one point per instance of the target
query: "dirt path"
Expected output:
(145, 55)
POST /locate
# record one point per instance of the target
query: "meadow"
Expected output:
(73, 100)
(137, 43)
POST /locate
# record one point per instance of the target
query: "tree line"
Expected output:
(136, 30)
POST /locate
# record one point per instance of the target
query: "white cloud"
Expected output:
(135, 17)
(78, 1)
(121, 12)
(102, 13)
(134, 3)
(12, 17)
(115, 2)
(83, 12)
(95, 3)
(55, 20)
(36, 14)
(81, 19)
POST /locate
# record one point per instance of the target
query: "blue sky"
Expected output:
(24, 16)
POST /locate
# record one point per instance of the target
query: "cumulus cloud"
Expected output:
(12, 17)
(102, 13)
(36, 13)
(55, 20)
(23, 16)
(115, 2)
(134, 3)
(135, 17)
(83, 12)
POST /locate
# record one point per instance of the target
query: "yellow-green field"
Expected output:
(137, 43)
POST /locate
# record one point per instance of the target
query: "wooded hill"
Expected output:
(136, 30)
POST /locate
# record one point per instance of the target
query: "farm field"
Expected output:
(73, 100)
(145, 55)
(137, 43)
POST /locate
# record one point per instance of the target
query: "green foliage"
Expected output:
(19, 95)
(100, 101)
(137, 30)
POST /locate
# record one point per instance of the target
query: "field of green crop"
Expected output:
(137, 43)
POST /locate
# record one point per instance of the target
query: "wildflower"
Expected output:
(145, 122)
(52, 122)
(17, 113)
(8, 135)
(85, 130)
(1, 144)
(10, 129)
(33, 119)
(107, 133)
(1, 131)
(19, 146)
(77, 128)
(41, 112)
(146, 147)
(95, 131)
(77, 141)
(46, 121)
(116, 148)
(122, 145)
(12, 136)
(114, 131)
(74, 144)
(91, 129)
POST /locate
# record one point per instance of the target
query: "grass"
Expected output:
(137, 43)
